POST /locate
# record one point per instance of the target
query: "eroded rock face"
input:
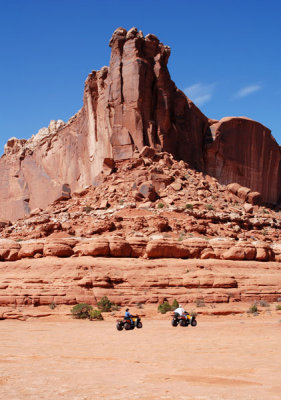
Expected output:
(242, 150)
(131, 104)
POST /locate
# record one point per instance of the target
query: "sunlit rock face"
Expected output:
(131, 104)
(242, 150)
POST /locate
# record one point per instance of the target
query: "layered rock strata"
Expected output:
(75, 280)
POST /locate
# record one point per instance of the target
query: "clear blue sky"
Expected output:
(225, 55)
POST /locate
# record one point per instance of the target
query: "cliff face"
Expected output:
(242, 150)
(130, 104)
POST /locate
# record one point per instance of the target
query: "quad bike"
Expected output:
(128, 323)
(183, 320)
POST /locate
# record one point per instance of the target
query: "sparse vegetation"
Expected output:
(161, 205)
(278, 307)
(52, 305)
(121, 202)
(209, 207)
(253, 309)
(81, 311)
(95, 314)
(164, 307)
(189, 206)
(181, 237)
(105, 304)
(175, 304)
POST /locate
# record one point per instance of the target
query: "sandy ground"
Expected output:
(222, 358)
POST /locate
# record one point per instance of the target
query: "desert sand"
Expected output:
(227, 357)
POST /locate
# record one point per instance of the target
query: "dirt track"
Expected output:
(222, 358)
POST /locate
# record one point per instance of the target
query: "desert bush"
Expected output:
(209, 207)
(278, 307)
(81, 311)
(105, 304)
(115, 307)
(160, 205)
(175, 304)
(164, 307)
(253, 309)
(189, 206)
(264, 303)
(95, 314)
(52, 305)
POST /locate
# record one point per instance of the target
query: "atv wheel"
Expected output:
(174, 322)
(127, 326)
(139, 325)
(183, 322)
(119, 327)
(193, 322)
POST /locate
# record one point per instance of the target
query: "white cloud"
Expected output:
(200, 93)
(245, 91)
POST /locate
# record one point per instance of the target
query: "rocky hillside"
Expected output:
(152, 229)
(128, 105)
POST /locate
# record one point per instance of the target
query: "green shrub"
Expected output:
(95, 314)
(164, 307)
(81, 311)
(209, 207)
(175, 304)
(189, 206)
(161, 205)
(52, 305)
(104, 304)
(278, 307)
(253, 309)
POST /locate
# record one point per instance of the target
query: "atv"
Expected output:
(128, 323)
(183, 320)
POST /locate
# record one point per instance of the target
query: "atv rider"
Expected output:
(129, 316)
(180, 311)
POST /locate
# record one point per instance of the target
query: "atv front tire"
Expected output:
(193, 322)
(174, 322)
(139, 325)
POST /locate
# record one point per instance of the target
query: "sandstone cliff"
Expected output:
(130, 104)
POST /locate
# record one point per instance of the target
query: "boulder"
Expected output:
(30, 248)
(9, 250)
(95, 247)
(57, 249)
(166, 249)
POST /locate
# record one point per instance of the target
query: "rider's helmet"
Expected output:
(127, 309)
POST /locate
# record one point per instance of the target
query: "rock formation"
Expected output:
(128, 105)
